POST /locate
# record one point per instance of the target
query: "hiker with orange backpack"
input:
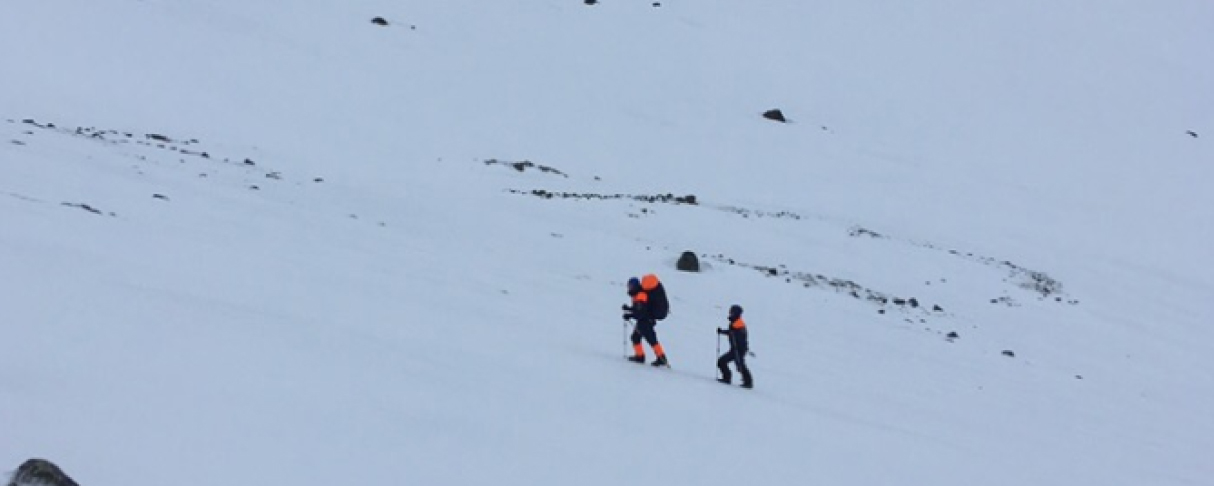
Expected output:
(649, 305)
(739, 345)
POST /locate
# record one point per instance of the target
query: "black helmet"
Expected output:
(735, 310)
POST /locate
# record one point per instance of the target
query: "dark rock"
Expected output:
(161, 197)
(937, 308)
(85, 207)
(688, 262)
(913, 302)
(880, 311)
(40, 472)
(591, 2)
(159, 138)
(688, 199)
(953, 335)
(775, 115)
(657, 4)
(249, 162)
(1192, 133)
(1009, 353)
(858, 231)
(379, 21)
(318, 179)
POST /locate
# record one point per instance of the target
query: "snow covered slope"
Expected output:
(257, 243)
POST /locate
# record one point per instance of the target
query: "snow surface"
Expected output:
(385, 306)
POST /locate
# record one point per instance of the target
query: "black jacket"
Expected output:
(737, 334)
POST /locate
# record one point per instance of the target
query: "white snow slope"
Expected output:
(368, 301)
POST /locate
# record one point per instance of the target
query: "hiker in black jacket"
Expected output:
(739, 345)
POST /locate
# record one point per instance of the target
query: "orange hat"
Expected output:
(649, 282)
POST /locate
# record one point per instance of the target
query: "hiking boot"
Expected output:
(661, 361)
(637, 359)
(726, 381)
(748, 384)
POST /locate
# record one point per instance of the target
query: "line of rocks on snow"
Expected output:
(689, 199)
(180, 146)
(523, 165)
(843, 286)
(1038, 282)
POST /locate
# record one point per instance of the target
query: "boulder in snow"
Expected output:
(40, 472)
(775, 115)
(688, 262)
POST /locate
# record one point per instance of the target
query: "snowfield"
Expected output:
(246, 242)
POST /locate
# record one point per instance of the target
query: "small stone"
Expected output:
(379, 21)
(1009, 353)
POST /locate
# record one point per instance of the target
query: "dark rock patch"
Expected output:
(1191, 133)
(658, 198)
(747, 213)
(379, 21)
(858, 231)
(688, 262)
(40, 472)
(1009, 353)
(85, 207)
(523, 165)
(775, 115)
(1005, 300)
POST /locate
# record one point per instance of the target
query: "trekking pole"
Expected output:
(624, 342)
(718, 351)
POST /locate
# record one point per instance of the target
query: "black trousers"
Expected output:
(738, 357)
(645, 329)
